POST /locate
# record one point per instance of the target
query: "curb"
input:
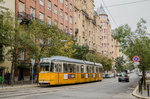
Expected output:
(138, 96)
(16, 87)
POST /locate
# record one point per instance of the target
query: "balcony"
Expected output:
(76, 31)
(25, 18)
(94, 21)
(86, 14)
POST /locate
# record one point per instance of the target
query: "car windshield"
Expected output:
(123, 76)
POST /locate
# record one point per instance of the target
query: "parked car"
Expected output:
(140, 74)
(123, 78)
(107, 76)
(118, 74)
(112, 75)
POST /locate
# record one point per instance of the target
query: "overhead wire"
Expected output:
(139, 1)
(110, 14)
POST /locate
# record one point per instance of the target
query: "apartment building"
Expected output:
(107, 41)
(87, 27)
(58, 12)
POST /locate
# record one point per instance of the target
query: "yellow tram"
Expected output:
(59, 70)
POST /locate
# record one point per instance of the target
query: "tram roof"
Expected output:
(66, 59)
(62, 59)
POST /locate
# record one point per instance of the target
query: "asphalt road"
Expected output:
(106, 89)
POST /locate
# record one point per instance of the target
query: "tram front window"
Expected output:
(44, 66)
(47, 67)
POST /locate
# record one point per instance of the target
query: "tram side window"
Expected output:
(92, 69)
(65, 68)
(96, 69)
(75, 68)
(82, 69)
(56, 67)
(78, 69)
(52, 67)
(100, 70)
(60, 67)
(69, 68)
(88, 69)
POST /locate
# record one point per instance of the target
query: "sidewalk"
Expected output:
(144, 94)
(18, 85)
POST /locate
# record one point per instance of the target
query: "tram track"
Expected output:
(40, 90)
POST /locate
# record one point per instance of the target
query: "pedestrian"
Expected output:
(7, 77)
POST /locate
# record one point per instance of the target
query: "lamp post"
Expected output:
(32, 62)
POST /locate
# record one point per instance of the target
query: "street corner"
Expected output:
(134, 93)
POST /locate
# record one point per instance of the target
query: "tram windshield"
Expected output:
(44, 66)
(47, 67)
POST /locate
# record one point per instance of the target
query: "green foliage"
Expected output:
(119, 64)
(50, 40)
(80, 51)
(129, 66)
(6, 27)
(135, 44)
(98, 58)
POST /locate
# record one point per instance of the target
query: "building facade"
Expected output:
(87, 27)
(5, 63)
(93, 28)
(58, 12)
(108, 47)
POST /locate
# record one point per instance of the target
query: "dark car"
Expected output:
(123, 78)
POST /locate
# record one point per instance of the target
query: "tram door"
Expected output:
(58, 69)
(78, 75)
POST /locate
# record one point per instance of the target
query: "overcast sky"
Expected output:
(127, 14)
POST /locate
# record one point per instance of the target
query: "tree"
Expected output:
(80, 51)
(119, 63)
(50, 40)
(98, 58)
(135, 44)
(14, 38)
(130, 66)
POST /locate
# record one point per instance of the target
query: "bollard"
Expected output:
(148, 90)
(139, 87)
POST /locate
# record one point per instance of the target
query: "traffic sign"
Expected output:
(136, 59)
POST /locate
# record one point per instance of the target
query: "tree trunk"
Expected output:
(144, 78)
(12, 74)
(14, 61)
